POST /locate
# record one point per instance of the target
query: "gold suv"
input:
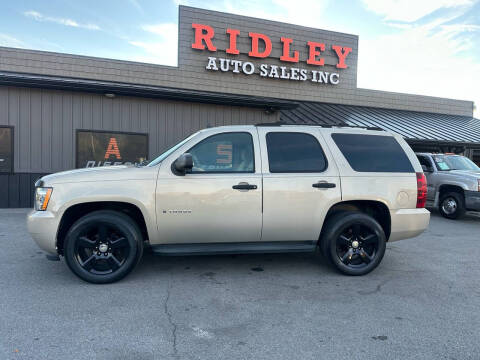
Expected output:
(238, 189)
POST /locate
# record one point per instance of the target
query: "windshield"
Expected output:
(454, 162)
(159, 159)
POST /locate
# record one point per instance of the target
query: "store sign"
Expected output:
(98, 148)
(261, 47)
(6, 150)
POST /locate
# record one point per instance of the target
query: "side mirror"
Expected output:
(183, 164)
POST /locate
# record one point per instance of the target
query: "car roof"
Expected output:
(344, 128)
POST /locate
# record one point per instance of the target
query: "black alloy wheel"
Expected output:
(357, 246)
(354, 242)
(103, 247)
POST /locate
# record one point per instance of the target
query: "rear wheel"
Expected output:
(354, 242)
(452, 205)
(103, 246)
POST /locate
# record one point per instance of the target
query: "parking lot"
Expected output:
(422, 302)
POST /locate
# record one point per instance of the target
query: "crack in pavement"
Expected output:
(377, 289)
(171, 322)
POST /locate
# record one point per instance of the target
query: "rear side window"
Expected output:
(371, 153)
(294, 152)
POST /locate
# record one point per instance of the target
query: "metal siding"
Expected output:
(45, 121)
(57, 133)
(36, 129)
(68, 133)
(87, 106)
(20, 189)
(107, 113)
(14, 190)
(47, 129)
(152, 127)
(13, 120)
(24, 131)
(4, 195)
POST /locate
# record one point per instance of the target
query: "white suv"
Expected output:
(238, 189)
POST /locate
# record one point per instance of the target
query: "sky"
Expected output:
(425, 47)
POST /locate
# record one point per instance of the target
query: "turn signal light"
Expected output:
(421, 190)
(42, 197)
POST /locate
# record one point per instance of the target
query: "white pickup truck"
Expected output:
(238, 189)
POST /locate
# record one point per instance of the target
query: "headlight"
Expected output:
(42, 197)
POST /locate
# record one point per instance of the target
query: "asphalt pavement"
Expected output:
(422, 302)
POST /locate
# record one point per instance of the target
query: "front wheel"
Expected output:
(354, 242)
(103, 246)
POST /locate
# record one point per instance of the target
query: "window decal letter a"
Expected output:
(112, 149)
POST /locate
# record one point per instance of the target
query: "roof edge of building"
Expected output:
(126, 89)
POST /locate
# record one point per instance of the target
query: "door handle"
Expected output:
(244, 186)
(324, 185)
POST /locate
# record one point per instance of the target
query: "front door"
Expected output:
(300, 184)
(220, 200)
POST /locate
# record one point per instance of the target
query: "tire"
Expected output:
(354, 242)
(452, 205)
(103, 246)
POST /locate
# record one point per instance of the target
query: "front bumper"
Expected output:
(42, 226)
(472, 200)
(408, 223)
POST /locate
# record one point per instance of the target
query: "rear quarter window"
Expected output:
(372, 153)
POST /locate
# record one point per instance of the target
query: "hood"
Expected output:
(103, 173)
(472, 173)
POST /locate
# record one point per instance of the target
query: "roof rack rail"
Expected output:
(276, 123)
(280, 123)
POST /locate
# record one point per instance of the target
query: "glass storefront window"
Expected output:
(102, 148)
(6, 149)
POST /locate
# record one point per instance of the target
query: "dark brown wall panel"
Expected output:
(45, 123)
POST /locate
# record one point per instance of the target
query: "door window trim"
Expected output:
(295, 171)
(224, 172)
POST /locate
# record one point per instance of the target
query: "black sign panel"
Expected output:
(6, 149)
(100, 148)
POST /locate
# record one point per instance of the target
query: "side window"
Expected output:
(294, 152)
(373, 153)
(224, 153)
(425, 161)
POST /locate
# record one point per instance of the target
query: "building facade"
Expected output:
(61, 111)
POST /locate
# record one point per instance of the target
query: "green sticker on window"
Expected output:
(443, 166)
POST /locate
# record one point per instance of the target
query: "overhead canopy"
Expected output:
(413, 125)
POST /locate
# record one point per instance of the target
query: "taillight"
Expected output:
(421, 190)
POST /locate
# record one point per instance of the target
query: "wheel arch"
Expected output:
(444, 188)
(377, 209)
(76, 211)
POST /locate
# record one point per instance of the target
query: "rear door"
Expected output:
(300, 183)
(374, 165)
